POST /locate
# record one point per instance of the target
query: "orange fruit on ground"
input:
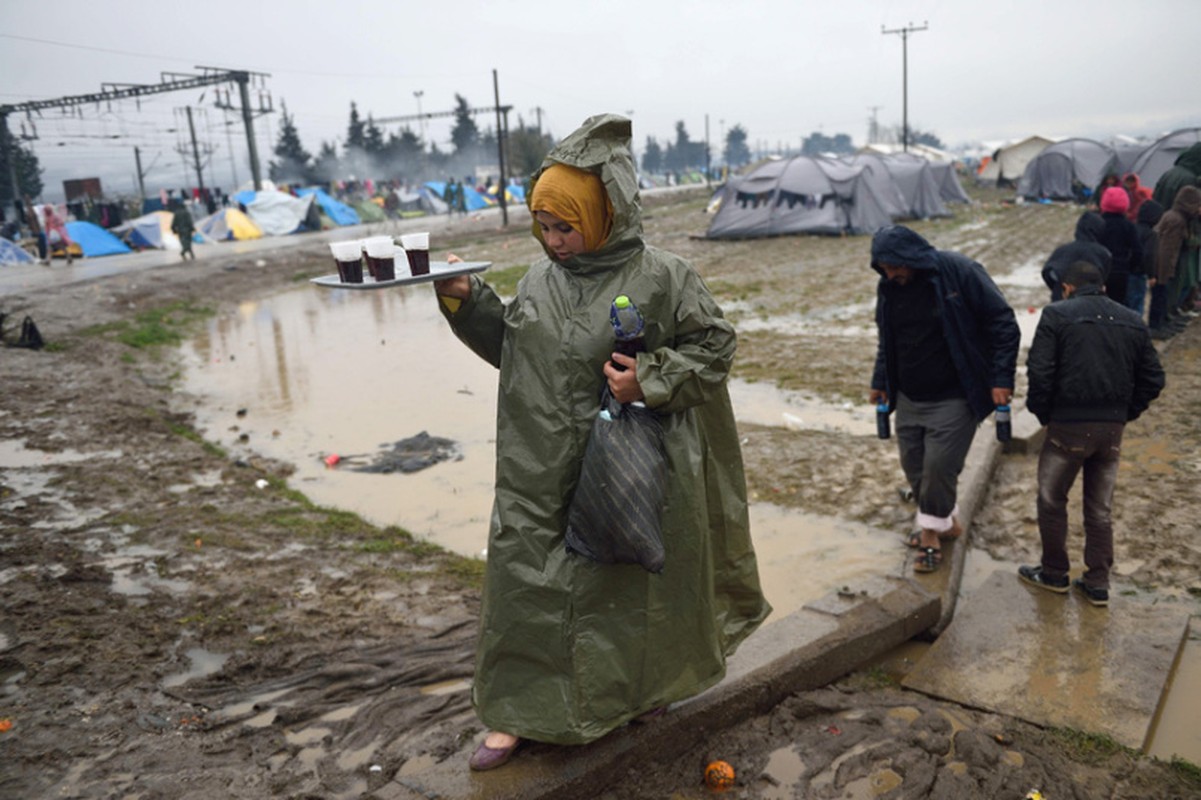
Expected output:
(719, 776)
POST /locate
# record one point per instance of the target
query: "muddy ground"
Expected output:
(178, 622)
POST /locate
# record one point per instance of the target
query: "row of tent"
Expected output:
(854, 195)
(1058, 170)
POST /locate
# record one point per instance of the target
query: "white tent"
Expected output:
(278, 213)
(1009, 159)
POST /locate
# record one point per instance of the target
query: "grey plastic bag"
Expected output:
(615, 514)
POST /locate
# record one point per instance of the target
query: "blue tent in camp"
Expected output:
(10, 253)
(339, 212)
(471, 198)
(94, 240)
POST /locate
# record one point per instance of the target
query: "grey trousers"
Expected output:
(933, 438)
(1071, 447)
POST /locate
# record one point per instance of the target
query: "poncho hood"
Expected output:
(602, 146)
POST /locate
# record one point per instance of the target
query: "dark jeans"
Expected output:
(933, 438)
(1069, 447)
(1136, 292)
(1158, 314)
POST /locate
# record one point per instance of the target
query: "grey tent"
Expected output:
(914, 177)
(949, 187)
(877, 175)
(798, 195)
(1158, 157)
(1127, 154)
(1062, 170)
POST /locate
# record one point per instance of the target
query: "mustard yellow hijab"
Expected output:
(578, 198)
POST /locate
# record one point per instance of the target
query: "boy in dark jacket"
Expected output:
(1092, 368)
(947, 351)
(1084, 248)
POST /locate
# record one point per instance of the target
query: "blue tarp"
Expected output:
(94, 240)
(339, 212)
(10, 253)
(471, 198)
(245, 197)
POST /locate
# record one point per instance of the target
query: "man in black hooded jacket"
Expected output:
(1092, 368)
(948, 346)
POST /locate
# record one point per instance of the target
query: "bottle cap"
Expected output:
(621, 301)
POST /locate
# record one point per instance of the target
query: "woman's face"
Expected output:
(563, 240)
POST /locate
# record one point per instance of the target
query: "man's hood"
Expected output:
(1149, 213)
(1089, 227)
(900, 246)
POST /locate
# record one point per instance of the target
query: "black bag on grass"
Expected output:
(615, 515)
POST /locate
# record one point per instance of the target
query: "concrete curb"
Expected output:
(810, 648)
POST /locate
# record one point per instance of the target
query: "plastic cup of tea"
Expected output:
(381, 258)
(417, 248)
(372, 263)
(349, 257)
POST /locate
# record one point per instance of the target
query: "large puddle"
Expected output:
(311, 373)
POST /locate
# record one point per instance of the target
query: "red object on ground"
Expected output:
(332, 460)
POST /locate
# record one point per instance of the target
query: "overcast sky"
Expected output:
(781, 69)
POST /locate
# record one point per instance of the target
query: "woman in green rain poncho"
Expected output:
(570, 649)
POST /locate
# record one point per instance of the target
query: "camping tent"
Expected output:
(12, 253)
(1062, 170)
(1009, 160)
(471, 198)
(229, 224)
(94, 240)
(338, 212)
(798, 195)
(1159, 157)
(276, 213)
(369, 211)
(150, 230)
(950, 190)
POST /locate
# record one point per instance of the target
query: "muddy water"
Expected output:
(320, 372)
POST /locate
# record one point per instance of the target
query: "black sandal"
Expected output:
(929, 560)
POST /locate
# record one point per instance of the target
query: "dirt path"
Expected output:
(177, 622)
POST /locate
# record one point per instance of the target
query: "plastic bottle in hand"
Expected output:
(1004, 427)
(882, 427)
(627, 328)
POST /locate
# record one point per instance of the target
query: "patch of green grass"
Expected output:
(504, 281)
(1186, 769)
(191, 435)
(1091, 748)
(54, 347)
(165, 325)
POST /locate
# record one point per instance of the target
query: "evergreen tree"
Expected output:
(736, 152)
(464, 135)
(29, 172)
(292, 160)
(327, 166)
(373, 138)
(355, 136)
(652, 157)
(527, 148)
(817, 143)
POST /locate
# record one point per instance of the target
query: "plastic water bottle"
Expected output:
(882, 427)
(627, 324)
(1004, 428)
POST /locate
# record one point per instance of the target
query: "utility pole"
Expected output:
(420, 121)
(137, 157)
(500, 152)
(538, 113)
(904, 33)
(708, 162)
(243, 81)
(873, 127)
(195, 152)
(10, 155)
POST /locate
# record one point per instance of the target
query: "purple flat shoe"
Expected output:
(486, 758)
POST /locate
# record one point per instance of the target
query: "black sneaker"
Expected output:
(1097, 597)
(1036, 577)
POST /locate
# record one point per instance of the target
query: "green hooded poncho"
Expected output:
(570, 649)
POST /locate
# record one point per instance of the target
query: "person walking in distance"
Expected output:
(183, 227)
(946, 356)
(1092, 368)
